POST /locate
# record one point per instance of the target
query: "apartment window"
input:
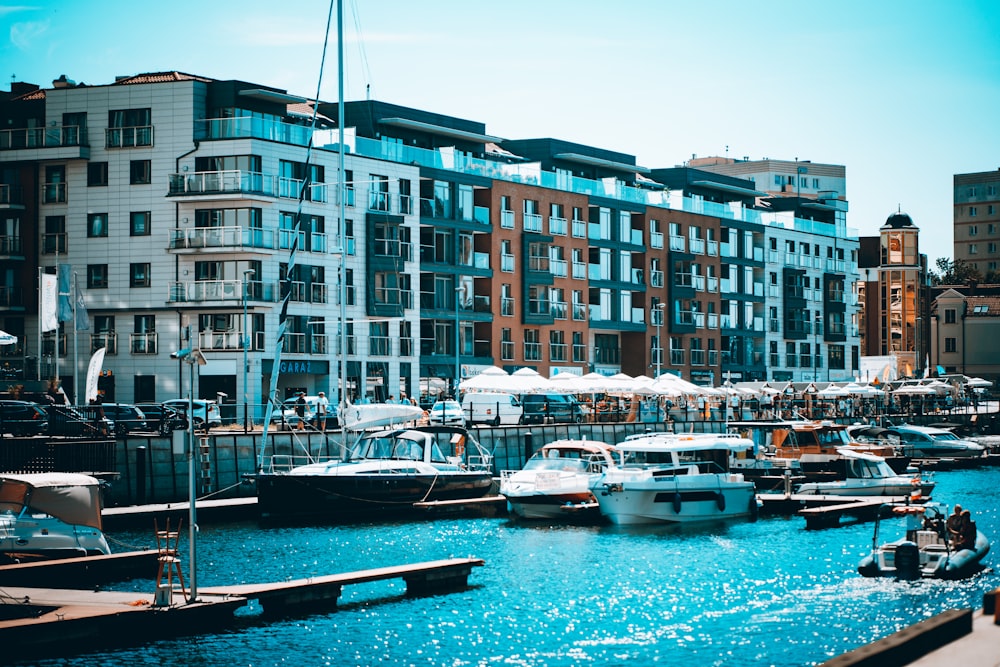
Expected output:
(973, 230)
(973, 249)
(139, 274)
(129, 127)
(97, 276)
(816, 183)
(140, 172)
(97, 174)
(835, 357)
(991, 247)
(138, 223)
(777, 179)
(949, 316)
(973, 212)
(950, 345)
(97, 225)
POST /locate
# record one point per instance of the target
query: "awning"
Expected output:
(271, 96)
(439, 130)
(601, 162)
(725, 187)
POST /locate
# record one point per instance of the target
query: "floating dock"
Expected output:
(826, 511)
(36, 621)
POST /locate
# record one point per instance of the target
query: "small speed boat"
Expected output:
(555, 482)
(47, 516)
(869, 475)
(924, 551)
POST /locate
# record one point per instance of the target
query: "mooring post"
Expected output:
(529, 448)
(140, 475)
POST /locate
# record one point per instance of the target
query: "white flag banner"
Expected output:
(94, 372)
(49, 297)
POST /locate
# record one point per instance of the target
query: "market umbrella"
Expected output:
(7, 339)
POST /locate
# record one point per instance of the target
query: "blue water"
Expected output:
(766, 593)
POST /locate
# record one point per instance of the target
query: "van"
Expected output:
(542, 408)
(494, 408)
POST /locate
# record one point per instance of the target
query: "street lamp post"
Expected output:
(816, 356)
(659, 341)
(247, 275)
(458, 342)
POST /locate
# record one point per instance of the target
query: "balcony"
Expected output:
(507, 350)
(579, 229)
(532, 351)
(56, 136)
(230, 182)
(108, 340)
(380, 346)
(558, 267)
(579, 271)
(393, 248)
(579, 354)
(236, 238)
(10, 245)
(247, 127)
(656, 278)
(507, 306)
(676, 357)
(507, 263)
(712, 284)
(580, 312)
(712, 248)
(10, 195)
(532, 222)
(697, 357)
(557, 226)
(143, 343)
(507, 219)
(128, 137)
(199, 291)
(557, 352)
(54, 193)
(53, 243)
(697, 246)
(10, 297)
(220, 340)
(559, 310)
(677, 243)
(656, 240)
(378, 200)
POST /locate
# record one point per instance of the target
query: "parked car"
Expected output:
(541, 408)
(127, 417)
(447, 413)
(162, 418)
(206, 413)
(22, 418)
(494, 408)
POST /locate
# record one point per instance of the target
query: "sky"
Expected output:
(904, 93)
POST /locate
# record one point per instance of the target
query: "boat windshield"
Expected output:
(564, 464)
(944, 435)
(833, 438)
(393, 446)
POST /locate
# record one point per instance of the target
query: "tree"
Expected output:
(957, 272)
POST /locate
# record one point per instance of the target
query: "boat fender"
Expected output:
(677, 503)
(720, 500)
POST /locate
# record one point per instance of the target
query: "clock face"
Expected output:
(894, 243)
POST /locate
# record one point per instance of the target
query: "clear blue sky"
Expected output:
(905, 94)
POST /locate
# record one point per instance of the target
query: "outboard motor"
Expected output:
(907, 561)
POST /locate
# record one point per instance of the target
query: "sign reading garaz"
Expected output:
(298, 367)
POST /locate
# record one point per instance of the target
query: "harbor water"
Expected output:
(764, 593)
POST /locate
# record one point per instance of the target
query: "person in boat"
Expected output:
(954, 524)
(300, 409)
(967, 534)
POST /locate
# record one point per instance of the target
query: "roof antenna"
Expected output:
(368, 92)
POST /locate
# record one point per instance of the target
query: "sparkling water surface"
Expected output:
(764, 593)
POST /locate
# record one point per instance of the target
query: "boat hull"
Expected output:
(647, 503)
(352, 497)
(579, 505)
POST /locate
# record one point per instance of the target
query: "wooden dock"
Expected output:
(278, 598)
(826, 511)
(36, 621)
(83, 572)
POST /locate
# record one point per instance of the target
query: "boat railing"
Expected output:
(279, 463)
(480, 462)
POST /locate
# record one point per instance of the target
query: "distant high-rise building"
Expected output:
(977, 222)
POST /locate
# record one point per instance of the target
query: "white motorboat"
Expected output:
(385, 472)
(47, 516)
(927, 442)
(869, 475)
(665, 477)
(556, 481)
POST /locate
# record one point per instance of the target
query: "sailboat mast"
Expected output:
(342, 189)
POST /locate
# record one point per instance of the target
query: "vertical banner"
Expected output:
(82, 318)
(65, 277)
(93, 372)
(47, 307)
